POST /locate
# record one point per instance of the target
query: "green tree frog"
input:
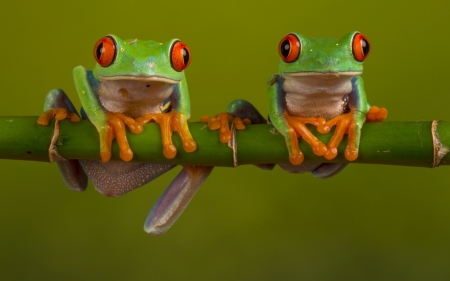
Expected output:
(133, 82)
(318, 83)
(319, 80)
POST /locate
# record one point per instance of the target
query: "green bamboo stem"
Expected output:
(389, 143)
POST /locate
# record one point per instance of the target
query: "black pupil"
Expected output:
(285, 48)
(365, 46)
(99, 51)
(185, 56)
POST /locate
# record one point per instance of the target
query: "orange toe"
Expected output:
(73, 117)
(297, 159)
(105, 155)
(351, 154)
(298, 124)
(225, 136)
(189, 145)
(169, 151)
(205, 119)
(59, 113)
(331, 153)
(320, 149)
(44, 119)
(221, 123)
(376, 114)
(126, 155)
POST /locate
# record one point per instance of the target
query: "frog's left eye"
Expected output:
(289, 48)
(105, 51)
(180, 56)
(361, 47)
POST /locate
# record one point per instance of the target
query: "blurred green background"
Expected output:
(370, 222)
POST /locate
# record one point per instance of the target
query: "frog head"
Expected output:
(140, 60)
(315, 56)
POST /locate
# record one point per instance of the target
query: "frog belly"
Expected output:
(318, 106)
(134, 98)
(115, 178)
(317, 95)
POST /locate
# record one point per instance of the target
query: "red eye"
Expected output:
(361, 47)
(180, 56)
(289, 48)
(105, 51)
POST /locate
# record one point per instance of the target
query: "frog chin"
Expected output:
(141, 78)
(135, 95)
(325, 75)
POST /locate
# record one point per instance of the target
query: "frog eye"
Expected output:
(361, 47)
(289, 48)
(105, 51)
(180, 56)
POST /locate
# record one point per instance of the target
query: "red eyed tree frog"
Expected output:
(133, 82)
(318, 80)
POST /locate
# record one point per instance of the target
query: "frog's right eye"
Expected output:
(361, 47)
(105, 51)
(180, 56)
(289, 48)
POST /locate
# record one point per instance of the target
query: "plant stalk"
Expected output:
(389, 143)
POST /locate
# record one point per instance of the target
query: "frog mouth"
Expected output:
(319, 73)
(140, 79)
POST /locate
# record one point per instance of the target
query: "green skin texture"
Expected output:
(319, 56)
(133, 59)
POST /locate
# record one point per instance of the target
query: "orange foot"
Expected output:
(57, 113)
(115, 129)
(345, 124)
(376, 114)
(220, 122)
(171, 122)
(297, 128)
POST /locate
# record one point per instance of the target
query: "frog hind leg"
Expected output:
(58, 98)
(318, 170)
(115, 178)
(58, 105)
(73, 174)
(245, 110)
(175, 199)
(326, 170)
(299, 169)
(177, 196)
(71, 171)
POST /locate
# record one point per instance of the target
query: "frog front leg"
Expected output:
(108, 124)
(174, 120)
(351, 123)
(291, 127)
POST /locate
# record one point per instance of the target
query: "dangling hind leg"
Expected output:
(58, 105)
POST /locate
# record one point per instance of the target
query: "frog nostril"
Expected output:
(148, 85)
